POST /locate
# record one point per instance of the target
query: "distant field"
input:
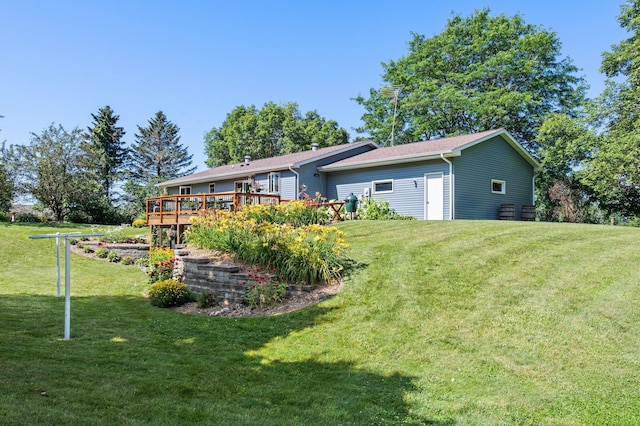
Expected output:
(464, 322)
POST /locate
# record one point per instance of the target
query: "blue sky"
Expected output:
(62, 60)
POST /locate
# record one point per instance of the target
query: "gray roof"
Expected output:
(426, 150)
(265, 165)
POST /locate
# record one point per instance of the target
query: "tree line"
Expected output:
(93, 177)
(481, 72)
(73, 173)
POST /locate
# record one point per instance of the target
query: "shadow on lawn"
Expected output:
(143, 365)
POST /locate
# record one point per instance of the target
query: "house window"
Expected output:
(498, 186)
(185, 190)
(243, 186)
(274, 183)
(382, 186)
(212, 188)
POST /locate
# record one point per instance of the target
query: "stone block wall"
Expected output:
(227, 282)
(135, 251)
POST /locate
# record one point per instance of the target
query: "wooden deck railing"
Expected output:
(178, 209)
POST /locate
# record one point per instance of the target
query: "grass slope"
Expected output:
(446, 323)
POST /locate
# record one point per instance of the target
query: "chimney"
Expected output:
(247, 159)
(314, 147)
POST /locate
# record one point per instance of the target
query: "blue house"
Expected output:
(284, 176)
(460, 177)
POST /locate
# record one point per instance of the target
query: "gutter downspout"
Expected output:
(533, 189)
(296, 189)
(450, 185)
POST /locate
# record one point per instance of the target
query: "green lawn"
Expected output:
(465, 322)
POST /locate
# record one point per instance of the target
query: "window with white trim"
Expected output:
(185, 190)
(498, 186)
(243, 186)
(212, 188)
(382, 186)
(274, 183)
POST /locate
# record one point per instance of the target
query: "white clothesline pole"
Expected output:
(58, 264)
(67, 271)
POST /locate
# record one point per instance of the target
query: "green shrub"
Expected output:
(127, 260)
(169, 293)
(206, 299)
(635, 222)
(380, 210)
(113, 257)
(139, 223)
(87, 249)
(102, 252)
(27, 218)
(143, 262)
(73, 241)
(4, 217)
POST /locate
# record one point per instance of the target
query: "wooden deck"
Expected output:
(178, 209)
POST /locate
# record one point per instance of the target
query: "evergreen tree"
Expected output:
(157, 153)
(106, 153)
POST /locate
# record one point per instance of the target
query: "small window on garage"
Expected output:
(212, 188)
(498, 186)
(185, 190)
(382, 186)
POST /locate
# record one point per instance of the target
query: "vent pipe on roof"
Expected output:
(314, 147)
(247, 159)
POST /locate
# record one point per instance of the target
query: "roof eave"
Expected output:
(347, 147)
(388, 161)
(280, 167)
(224, 176)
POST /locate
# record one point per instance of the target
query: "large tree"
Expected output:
(482, 72)
(269, 131)
(106, 152)
(614, 172)
(157, 153)
(49, 170)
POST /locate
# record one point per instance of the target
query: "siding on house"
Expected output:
(473, 172)
(305, 167)
(316, 181)
(407, 197)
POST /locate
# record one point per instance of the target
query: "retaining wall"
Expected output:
(134, 251)
(227, 282)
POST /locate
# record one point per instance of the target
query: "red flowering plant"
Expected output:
(264, 289)
(165, 270)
